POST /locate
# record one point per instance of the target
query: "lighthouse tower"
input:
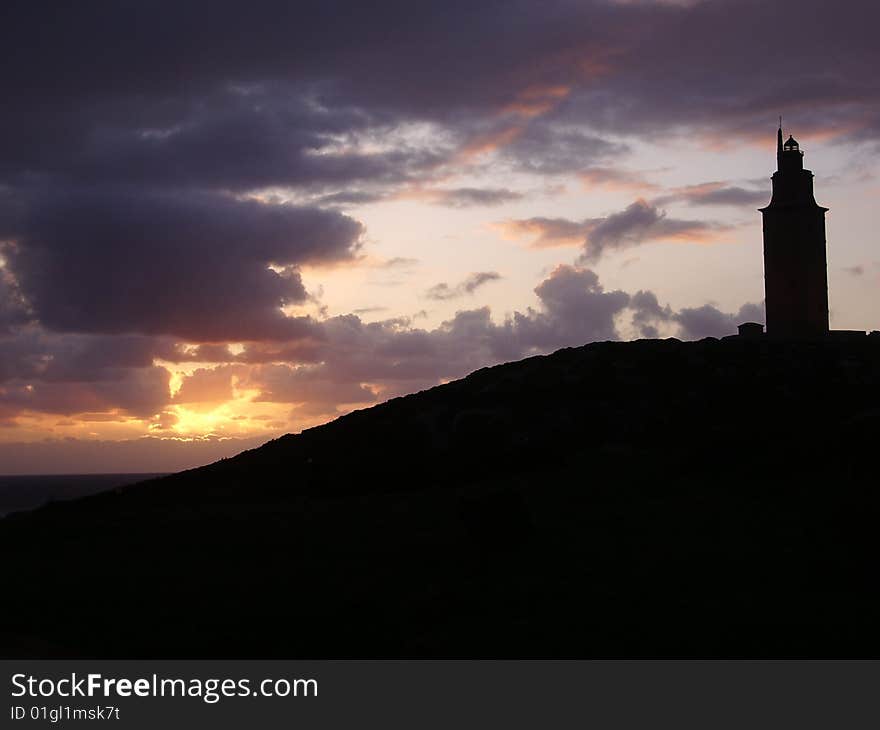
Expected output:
(795, 268)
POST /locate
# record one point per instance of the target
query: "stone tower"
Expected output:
(795, 268)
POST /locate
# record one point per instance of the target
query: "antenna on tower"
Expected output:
(779, 145)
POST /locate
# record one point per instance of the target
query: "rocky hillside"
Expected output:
(714, 498)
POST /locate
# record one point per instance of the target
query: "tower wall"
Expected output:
(795, 271)
(795, 265)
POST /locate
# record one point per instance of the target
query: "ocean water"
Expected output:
(20, 493)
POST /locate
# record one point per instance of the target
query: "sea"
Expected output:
(22, 493)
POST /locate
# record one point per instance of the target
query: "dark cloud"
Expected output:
(640, 222)
(14, 310)
(547, 232)
(349, 198)
(393, 357)
(311, 95)
(190, 264)
(449, 197)
(576, 308)
(308, 386)
(857, 270)
(277, 93)
(648, 315)
(75, 374)
(400, 261)
(474, 281)
(136, 392)
(691, 323)
(443, 291)
(135, 132)
(728, 68)
(715, 193)
(32, 353)
(356, 51)
(265, 136)
(348, 362)
(729, 196)
(707, 321)
(201, 353)
(151, 120)
(549, 149)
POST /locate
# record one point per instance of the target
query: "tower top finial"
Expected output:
(779, 145)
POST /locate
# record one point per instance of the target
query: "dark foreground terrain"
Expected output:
(716, 498)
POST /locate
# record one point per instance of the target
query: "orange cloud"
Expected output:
(489, 142)
(533, 101)
(640, 222)
(537, 100)
(545, 232)
(208, 385)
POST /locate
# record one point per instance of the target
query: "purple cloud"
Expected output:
(442, 291)
(640, 222)
(194, 265)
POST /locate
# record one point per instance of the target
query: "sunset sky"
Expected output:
(221, 222)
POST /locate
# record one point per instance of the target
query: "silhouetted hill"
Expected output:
(618, 499)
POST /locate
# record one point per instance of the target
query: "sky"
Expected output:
(223, 221)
